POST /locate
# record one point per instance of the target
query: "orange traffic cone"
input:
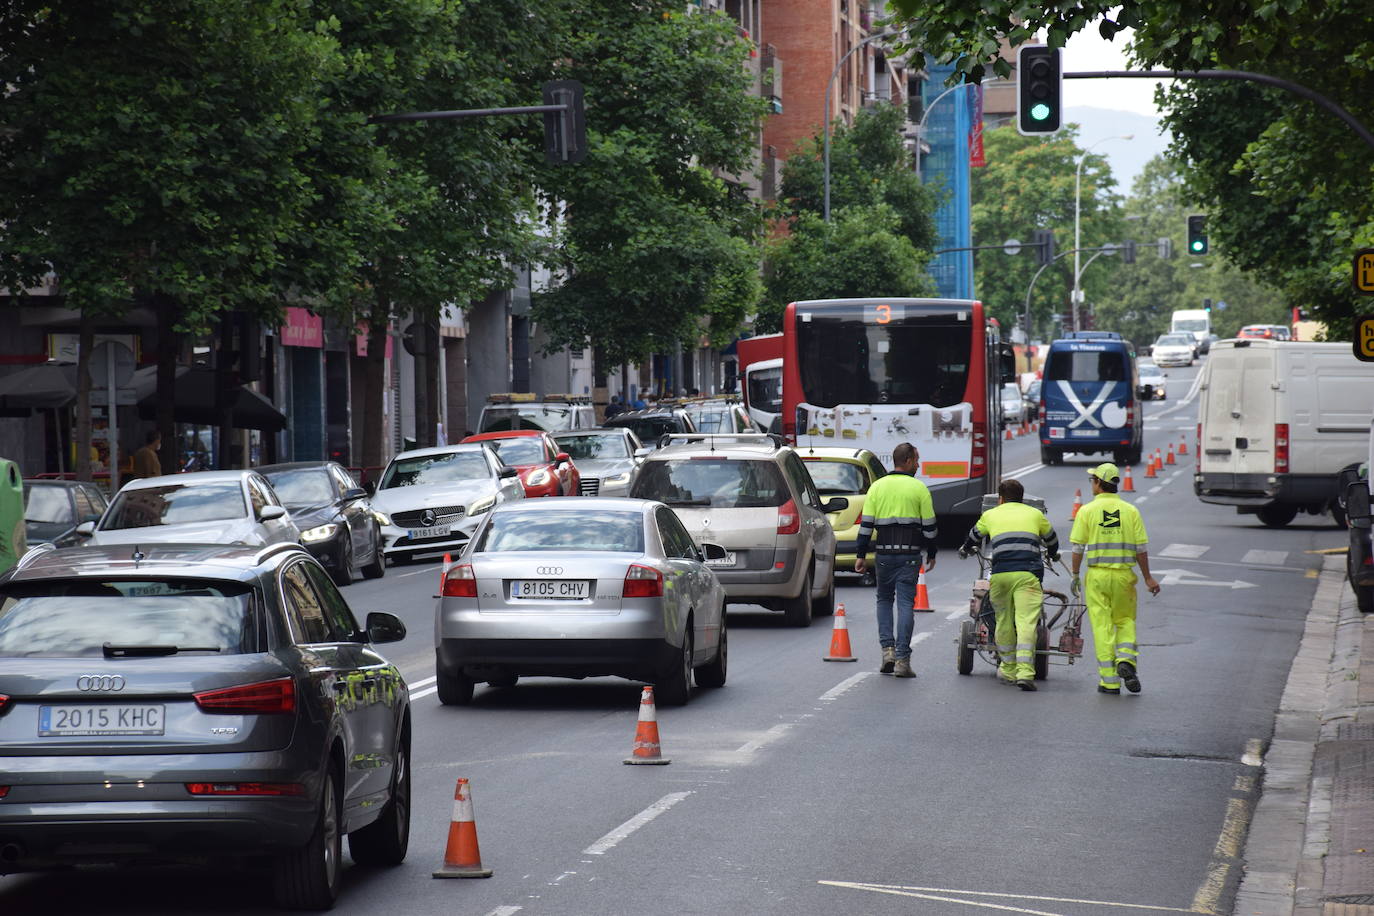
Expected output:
(1008, 434)
(443, 572)
(647, 750)
(1170, 459)
(1128, 485)
(839, 640)
(922, 602)
(1150, 467)
(462, 858)
(1183, 446)
(1077, 504)
(1159, 461)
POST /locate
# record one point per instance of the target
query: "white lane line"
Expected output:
(906, 891)
(505, 911)
(421, 694)
(1185, 551)
(1265, 557)
(424, 682)
(417, 572)
(1021, 472)
(1156, 488)
(920, 637)
(768, 737)
(845, 684)
(610, 840)
(955, 615)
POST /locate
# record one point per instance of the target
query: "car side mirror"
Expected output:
(562, 458)
(1357, 504)
(268, 513)
(384, 627)
(713, 551)
(835, 504)
(85, 529)
(353, 493)
(642, 451)
(508, 471)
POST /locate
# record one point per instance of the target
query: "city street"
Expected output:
(809, 788)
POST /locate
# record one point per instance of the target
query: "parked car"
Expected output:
(1355, 484)
(847, 472)
(720, 415)
(1154, 382)
(606, 459)
(334, 515)
(1265, 332)
(524, 410)
(431, 500)
(203, 507)
(1014, 408)
(756, 499)
(1173, 350)
(54, 508)
(582, 588)
(544, 469)
(164, 704)
(1032, 395)
(653, 423)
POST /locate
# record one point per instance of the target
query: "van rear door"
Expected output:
(1239, 414)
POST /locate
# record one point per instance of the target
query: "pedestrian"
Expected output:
(899, 509)
(1015, 533)
(145, 461)
(1110, 535)
(615, 407)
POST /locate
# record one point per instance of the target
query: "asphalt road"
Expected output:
(810, 788)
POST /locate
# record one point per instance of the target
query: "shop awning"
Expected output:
(194, 400)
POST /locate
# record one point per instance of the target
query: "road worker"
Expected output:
(1015, 532)
(1109, 536)
(899, 510)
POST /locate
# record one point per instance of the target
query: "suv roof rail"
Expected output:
(272, 549)
(772, 439)
(33, 553)
(568, 398)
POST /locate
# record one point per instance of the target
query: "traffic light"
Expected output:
(565, 132)
(1197, 234)
(1038, 76)
(1206, 305)
(1165, 246)
(1128, 251)
(1043, 242)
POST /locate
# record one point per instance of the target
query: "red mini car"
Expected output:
(544, 470)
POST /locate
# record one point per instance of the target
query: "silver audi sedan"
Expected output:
(581, 587)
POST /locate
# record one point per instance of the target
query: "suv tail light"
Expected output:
(460, 582)
(980, 450)
(4, 790)
(642, 582)
(789, 520)
(245, 788)
(262, 698)
(1280, 448)
(4, 703)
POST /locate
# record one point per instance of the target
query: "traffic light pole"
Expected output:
(1100, 250)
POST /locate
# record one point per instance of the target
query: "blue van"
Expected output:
(1088, 400)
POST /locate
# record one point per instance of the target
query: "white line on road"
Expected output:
(609, 841)
(1265, 557)
(505, 911)
(415, 573)
(1022, 472)
(905, 891)
(845, 684)
(421, 694)
(1185, 551)
(768, 737)
(424, 682)
(920, 637)
(955, 615)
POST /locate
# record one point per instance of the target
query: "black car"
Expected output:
(193, 703)
(334, 515)
(54, 508)
(653, 423)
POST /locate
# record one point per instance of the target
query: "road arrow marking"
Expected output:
(1188, 577)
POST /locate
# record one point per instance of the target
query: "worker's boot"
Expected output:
(889, 659)
(903, 668)
(1128, 676)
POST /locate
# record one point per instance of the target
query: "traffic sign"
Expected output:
(1364, 338)
(1362, 271)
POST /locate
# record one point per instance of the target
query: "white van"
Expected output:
(1196, 323)
(1277, 422)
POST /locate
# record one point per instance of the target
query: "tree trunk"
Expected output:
(432, 355)
(85, 344)
(224, 394)
(168, 344)
(373, 428)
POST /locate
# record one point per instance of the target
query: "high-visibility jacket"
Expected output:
(1109, 532)
(899, 509)
(1015, 532)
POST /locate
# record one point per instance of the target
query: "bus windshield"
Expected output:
(1190, 324)
(853, 356)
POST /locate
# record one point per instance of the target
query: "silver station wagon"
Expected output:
(581, 587)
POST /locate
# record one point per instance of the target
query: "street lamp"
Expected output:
(826, 114)
(1077, 293)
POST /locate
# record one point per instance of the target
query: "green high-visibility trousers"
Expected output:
(1017, 599)
(1110, 596)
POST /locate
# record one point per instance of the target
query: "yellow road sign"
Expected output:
(1362, 271)
(1364, 338)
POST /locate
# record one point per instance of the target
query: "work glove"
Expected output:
(1054, 558)
(963, 553)
(1077, 587)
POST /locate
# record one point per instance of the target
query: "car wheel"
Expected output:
(454, 689)
(968, 638)
(385, 840)
(1364, 598)
(824, 606)
(377, 568)
(344, 574)
(798, 611)
(675, 687)
(712, 674)
(308, 878)
(1277, 515)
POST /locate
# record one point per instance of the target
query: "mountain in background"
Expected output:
(1127, 157)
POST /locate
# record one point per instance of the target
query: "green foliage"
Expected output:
(657, 245)
(860, 252)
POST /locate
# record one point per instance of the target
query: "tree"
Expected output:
(656, 237)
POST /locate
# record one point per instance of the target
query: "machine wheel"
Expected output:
(1042, 643)
(675, 687)
(712, 674)
(385, 840)
(454, 689)
(1338, 514)
(967, 637)
(308, 878)
(1277, 515)
(377, 568)
(824, 606)
(344, 574)
(798, 611)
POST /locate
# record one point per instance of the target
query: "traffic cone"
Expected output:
(1009, 436)
(1150, 467)
(1128, 485)
(839, 639)
(1183, 446)
(647, 750)
(1159, 461)
(922, 602)
(443, 572)
(1077, 504)
(1170, 459)
(462, 858)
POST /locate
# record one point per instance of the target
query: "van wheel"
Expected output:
(1051, 456)
(1364, 598)
(797, 611)
(1277, 515)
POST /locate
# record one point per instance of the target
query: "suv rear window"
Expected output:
(720, 483)
(67, 619)
(648, 429)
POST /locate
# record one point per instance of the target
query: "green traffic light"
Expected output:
(1197, 245)
(1040, 112)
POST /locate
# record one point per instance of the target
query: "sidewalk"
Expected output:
(1310, 848)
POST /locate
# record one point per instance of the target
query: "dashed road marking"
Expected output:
(768, 737)
(1185, 551)
(845, 684)
(505, 911)
(1265, 557)
(927, 893)
(610, 840)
